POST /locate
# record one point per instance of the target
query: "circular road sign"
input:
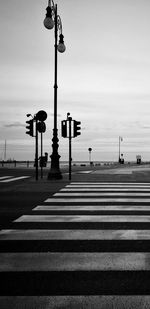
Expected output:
(41, 115)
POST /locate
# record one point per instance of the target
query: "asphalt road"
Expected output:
(21, 195)
(87, 254)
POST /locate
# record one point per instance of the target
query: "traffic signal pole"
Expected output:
(41, 155)
(74, 128)
(36, 148)
(40, 127)
(70, 159)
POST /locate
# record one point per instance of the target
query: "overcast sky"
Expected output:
(103, 77)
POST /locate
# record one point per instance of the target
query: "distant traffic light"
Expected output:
(41, 126)
(64, 128)
(77, 128)
(29, 127)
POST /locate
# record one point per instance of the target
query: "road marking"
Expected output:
(104, 190)
(4, 177)
(74, 261)
(74, 234)
(82, 218)
(97, 200)
(58, 258)
(110, 183)
(55, 245)
(75, 301)
(100, 194)
(14, 179)
(106, 182)
(107, 186)
(91, 208)
(84, 172)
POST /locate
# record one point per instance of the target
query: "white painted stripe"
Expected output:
(4, 177)
(74, 235)
(74, 261)
(107, 186)
(104, 189)
(16, 178)
(85, 172)
(88, 194)
(109, 301)
(78, 218)
(97, 200)
(110, 183)
(91, 208)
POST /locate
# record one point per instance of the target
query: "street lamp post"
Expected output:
(52, 20)
(120, 140)
(90, 150)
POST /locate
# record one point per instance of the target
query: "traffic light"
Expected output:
(29, 127)
(64, 128)
(77, 128)
(41, 126)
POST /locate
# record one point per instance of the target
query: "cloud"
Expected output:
(15, 124)
(146, 126)
(58, 115)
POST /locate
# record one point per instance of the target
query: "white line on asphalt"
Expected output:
(4, 177)
(91, 208)
(84, 172)
(97, 200)
(107, 186)
(74, 234)
(14, 179)
(100, 194)
(110, 183)
(104, 189)
(90, 301)
(74, 261)
(78, 218)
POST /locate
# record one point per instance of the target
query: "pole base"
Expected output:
(54, 174)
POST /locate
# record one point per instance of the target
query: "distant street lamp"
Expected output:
(52, 20)
(120, 140)
(90, 150)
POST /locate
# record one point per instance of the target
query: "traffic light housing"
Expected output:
(29, 127)
(77, 128)
(41, 126)
(64, 128)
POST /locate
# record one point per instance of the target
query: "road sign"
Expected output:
(41, 115)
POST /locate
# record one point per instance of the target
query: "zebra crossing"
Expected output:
(90, 238)
(6, 179)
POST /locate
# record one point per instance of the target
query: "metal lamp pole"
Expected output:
(90, 149)
(120, 140)
(53, 20)
(119, 149)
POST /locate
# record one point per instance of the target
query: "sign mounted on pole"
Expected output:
(41, 115)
